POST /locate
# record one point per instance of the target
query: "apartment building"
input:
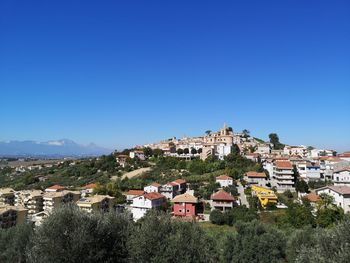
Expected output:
(7, 196)
(283, 178)
(309, 171)
(96, 203)
(30, 199)
(53, 200)
(11, 216)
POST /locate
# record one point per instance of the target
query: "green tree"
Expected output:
(193, 151)
(14, 242)
(148, 152)
(180, 151)
(254, 242)
(328, 245)
(274, 139)
(71, 235)
(207, 132)
(186, 151)
(158, 238)
(158, 152)
(298, 215)
(328, 213)
(246, 133)
(217, 217)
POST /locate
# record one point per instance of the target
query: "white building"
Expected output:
(342, 176)
(330, 164)
(153, 187)
(341, 195)
(263, 149)
(295, 150)
(143, 203)
(224, 180)
(131, 194)
(309, 171)
(222, 150)
(174, 188)
(137, 154)
(283, 178)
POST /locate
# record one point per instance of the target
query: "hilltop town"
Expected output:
(218, 171)
(216, 179)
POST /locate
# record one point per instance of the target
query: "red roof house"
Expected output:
(222, 201)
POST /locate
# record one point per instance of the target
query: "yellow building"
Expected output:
(96, 203)
(7, 196)
(11, 216)
(30, 199)
(265, 196)
(53, 200)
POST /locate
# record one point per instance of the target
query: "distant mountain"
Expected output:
(59, 148)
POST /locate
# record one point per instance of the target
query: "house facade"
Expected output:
(186, 206)
(255, 178)
(153, 187)
(283, 178)
(342, 176)
(96, 203)
(11, 216)
(143, 203)
(30, 199)
(53, 200)
(224, 180)
(341, 195)
(222, 201)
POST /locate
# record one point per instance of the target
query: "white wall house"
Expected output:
(224, 180)
(143, 203)
(153, 187)
(342, 177)
(341, 195)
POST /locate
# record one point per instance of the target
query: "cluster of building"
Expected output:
(36, 205)
(218, 144)
(184, 204)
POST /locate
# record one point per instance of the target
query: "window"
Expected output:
(187, 210)
(180, 210)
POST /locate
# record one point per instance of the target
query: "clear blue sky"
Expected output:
(120, 73)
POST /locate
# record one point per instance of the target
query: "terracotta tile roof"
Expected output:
(185, 198)
(155, 184)
(344, 190)
(256, 174)
(222, 195)
(179, 181)
(313, 197)
(89, 186)
(135, 192)
(223, 177)
(56, 187)
(284, 164)
(154, 196)
(345, 154)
